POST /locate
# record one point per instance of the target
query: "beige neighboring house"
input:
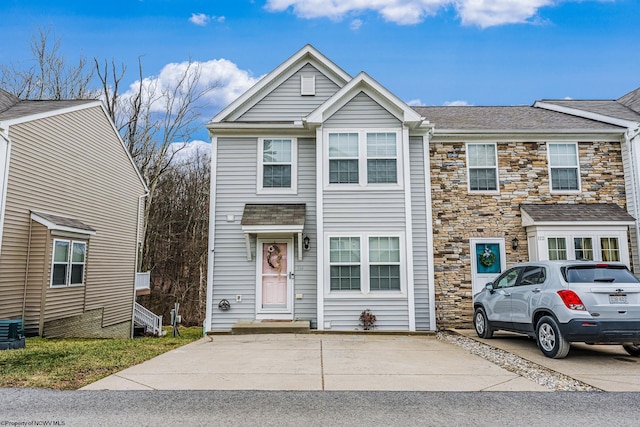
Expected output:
(70, 202)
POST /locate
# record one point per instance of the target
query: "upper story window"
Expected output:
(68, 263)
(482, 161)
(277, 168)
(363, 158)
(563, 167)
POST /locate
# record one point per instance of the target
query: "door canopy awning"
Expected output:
(600, 214)
(281, 218)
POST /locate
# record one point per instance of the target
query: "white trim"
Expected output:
(51, 113)
(549, 167)
(294, 167)
(409, 231)
(429, 218)
(486, 277)
(308, 54)
(320, 275)
(212, 233)
(275, 313)
(307, 84)
(365, 291)
(69, 263)
(496, 167)
(5, 155)
(364, 83)
(363, 184)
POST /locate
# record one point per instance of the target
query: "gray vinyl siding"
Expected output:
(364, 211)
(73, 164)
(362, 112)
(285, 103)
(419, 219)
(344, 314)
(233, 274)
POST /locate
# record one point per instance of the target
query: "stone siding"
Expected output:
(459, 215)
(86, 325)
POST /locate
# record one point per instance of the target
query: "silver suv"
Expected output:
(559, 302)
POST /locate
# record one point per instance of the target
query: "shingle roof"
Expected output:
(273, 214)
(606, 108)
(64, 221)
(577, 212)
(631, 100)
(518, 118)
(7, 100)
(28, 108)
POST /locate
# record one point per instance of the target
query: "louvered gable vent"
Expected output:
(308, 85)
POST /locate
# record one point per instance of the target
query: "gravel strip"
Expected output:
(516, 364)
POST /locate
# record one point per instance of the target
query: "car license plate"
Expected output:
(617, 299)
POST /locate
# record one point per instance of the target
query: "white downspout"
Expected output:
(632, 137)
(137, 260)
(4, 175)
(212, 228)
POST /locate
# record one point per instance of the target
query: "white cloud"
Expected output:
(187, 151)
(456, 104)
(227, 80)
(481, 13)
(202, 20)
(415, 103)
(199, 19)
(355, 24)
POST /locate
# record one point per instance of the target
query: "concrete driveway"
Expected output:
(318, 362)
(607, 367)
(364, 362)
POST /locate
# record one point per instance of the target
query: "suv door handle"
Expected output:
(505, 293)
(536, 290)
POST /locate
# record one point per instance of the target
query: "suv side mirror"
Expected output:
(489, 287)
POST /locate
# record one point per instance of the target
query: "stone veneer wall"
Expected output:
(86, 325)
(523, 178)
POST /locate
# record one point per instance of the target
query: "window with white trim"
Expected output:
(363, 158)
(277, 165)
(482, 161)
(68, 264)
(583, 248)
(564, 167)
(557, 248)
(610, 249)
(365, 264)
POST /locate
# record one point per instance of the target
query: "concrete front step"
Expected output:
(272, 327)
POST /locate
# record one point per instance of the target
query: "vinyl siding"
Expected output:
(233, 274)
(285, 103)
(73, 164)
(366, 211)
(362, 112)
(419, 216)
(38, 275)
(631, 175)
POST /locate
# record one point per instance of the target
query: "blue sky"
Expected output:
(428, 52)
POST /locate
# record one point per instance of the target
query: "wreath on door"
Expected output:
(274, 257)
(487, 257)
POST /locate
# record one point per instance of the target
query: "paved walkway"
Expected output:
(318, 362)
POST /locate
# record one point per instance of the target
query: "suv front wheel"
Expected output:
(550, 339)
(481, 323)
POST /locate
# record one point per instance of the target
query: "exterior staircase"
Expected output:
(146, 319)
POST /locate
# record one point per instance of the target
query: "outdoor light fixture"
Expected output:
(514, 243)
(305, 243)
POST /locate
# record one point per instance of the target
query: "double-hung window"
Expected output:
(277, 166)
(68, 263)
(563, 167)
(363, 158)
(364, 264)
(482, 161)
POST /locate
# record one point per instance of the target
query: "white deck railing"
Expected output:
(143, 280)
(146, 318)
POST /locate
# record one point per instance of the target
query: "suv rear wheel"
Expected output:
(550, 339)
(632, 349)
(481, 323)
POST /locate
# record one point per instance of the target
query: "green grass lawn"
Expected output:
(71, 363)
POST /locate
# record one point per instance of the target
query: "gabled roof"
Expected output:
(509, 119)
(631, 100)
(7, 100)
(308, 54)
(62, 223)
(364, 83)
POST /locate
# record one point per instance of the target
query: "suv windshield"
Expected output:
(598, 273)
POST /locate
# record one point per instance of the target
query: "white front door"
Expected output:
(274, 285)
(488, 260)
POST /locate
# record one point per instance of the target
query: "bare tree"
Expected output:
(50, 77)
(152, 117)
